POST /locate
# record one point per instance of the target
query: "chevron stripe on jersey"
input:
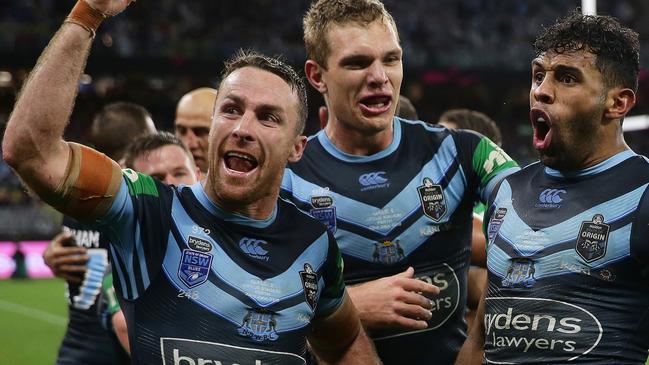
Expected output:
(568, 252)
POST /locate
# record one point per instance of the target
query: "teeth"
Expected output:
(541, 120)
(240, 155)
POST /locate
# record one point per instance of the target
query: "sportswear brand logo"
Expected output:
(373, 180)
(254, 248)
(551, 196)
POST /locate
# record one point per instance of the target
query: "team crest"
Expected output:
(259, 324)
(432, 199)
(520, 274)
(194, 267)
(388, 252)
(495, 223)
(310, 285)
(592, 239)
(324, 211)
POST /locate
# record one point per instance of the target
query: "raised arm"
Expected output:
(33, 143)
(340, 338)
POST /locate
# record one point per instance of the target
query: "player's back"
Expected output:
(568, 265)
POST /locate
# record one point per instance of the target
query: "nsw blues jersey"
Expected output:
(568, 261)
(86, 341)
(409, 205)
(199, 285)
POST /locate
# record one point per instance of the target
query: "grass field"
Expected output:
(33, 317)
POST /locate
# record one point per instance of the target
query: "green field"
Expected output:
(33, 316)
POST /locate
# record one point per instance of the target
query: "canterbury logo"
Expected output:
(253, 247)
(551, 196)
(372, 178)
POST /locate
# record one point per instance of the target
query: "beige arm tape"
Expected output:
(90, 185)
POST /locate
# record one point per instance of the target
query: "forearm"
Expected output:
(35, 129)
(472, 350)
(361, 351)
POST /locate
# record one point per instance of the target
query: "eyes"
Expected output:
(363, 62)
(266, 117)
(563, 78)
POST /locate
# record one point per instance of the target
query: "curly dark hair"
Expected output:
(616, 47)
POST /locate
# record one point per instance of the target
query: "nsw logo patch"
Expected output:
(324, 211)
(194, 267)
(310, 285)
(432, 199)
(592, 239)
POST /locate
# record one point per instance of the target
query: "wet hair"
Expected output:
(475, 121)
(323, 13)
(275, 65)
(151, 142)
(616, 47)
(116, 126)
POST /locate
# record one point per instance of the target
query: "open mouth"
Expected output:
(542, 128)
(240, 162)
(376, 104)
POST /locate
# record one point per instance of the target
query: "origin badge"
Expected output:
(194, 267)
(432, 199)
(310, 285)
(592, 240)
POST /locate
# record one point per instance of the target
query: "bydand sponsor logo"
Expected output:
(180, 351)
(519, 330)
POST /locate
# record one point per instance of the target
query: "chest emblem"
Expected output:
(592, 239)
(194, 267)
(259, 324)
(520, 274)
(432, 199)
(388, 252)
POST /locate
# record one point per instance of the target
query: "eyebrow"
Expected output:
(260, 108)
(559, 68)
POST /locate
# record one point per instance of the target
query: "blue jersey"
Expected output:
(86, 341)
(409, 205)
(199, 285)
(568, 261)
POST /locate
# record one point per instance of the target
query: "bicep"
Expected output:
(86, 188)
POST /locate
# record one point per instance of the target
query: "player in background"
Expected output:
(193, 122)
(79, 254)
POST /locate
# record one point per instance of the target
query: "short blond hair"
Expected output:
(323, 13)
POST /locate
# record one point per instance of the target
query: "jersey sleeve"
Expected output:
(640, 233)
(112, 305)
(491, 164)
(334, 285)
(137, 225)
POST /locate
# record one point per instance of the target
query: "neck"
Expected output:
(259, 209)
(358, 142)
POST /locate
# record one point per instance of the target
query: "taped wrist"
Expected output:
(86, 16)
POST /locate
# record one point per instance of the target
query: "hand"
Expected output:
(394, 301)
(66, 262)
(109, 7)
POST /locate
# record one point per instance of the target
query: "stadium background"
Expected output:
(457, 54)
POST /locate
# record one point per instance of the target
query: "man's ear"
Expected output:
(619, 102)
(314, 73)
(298, 149)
